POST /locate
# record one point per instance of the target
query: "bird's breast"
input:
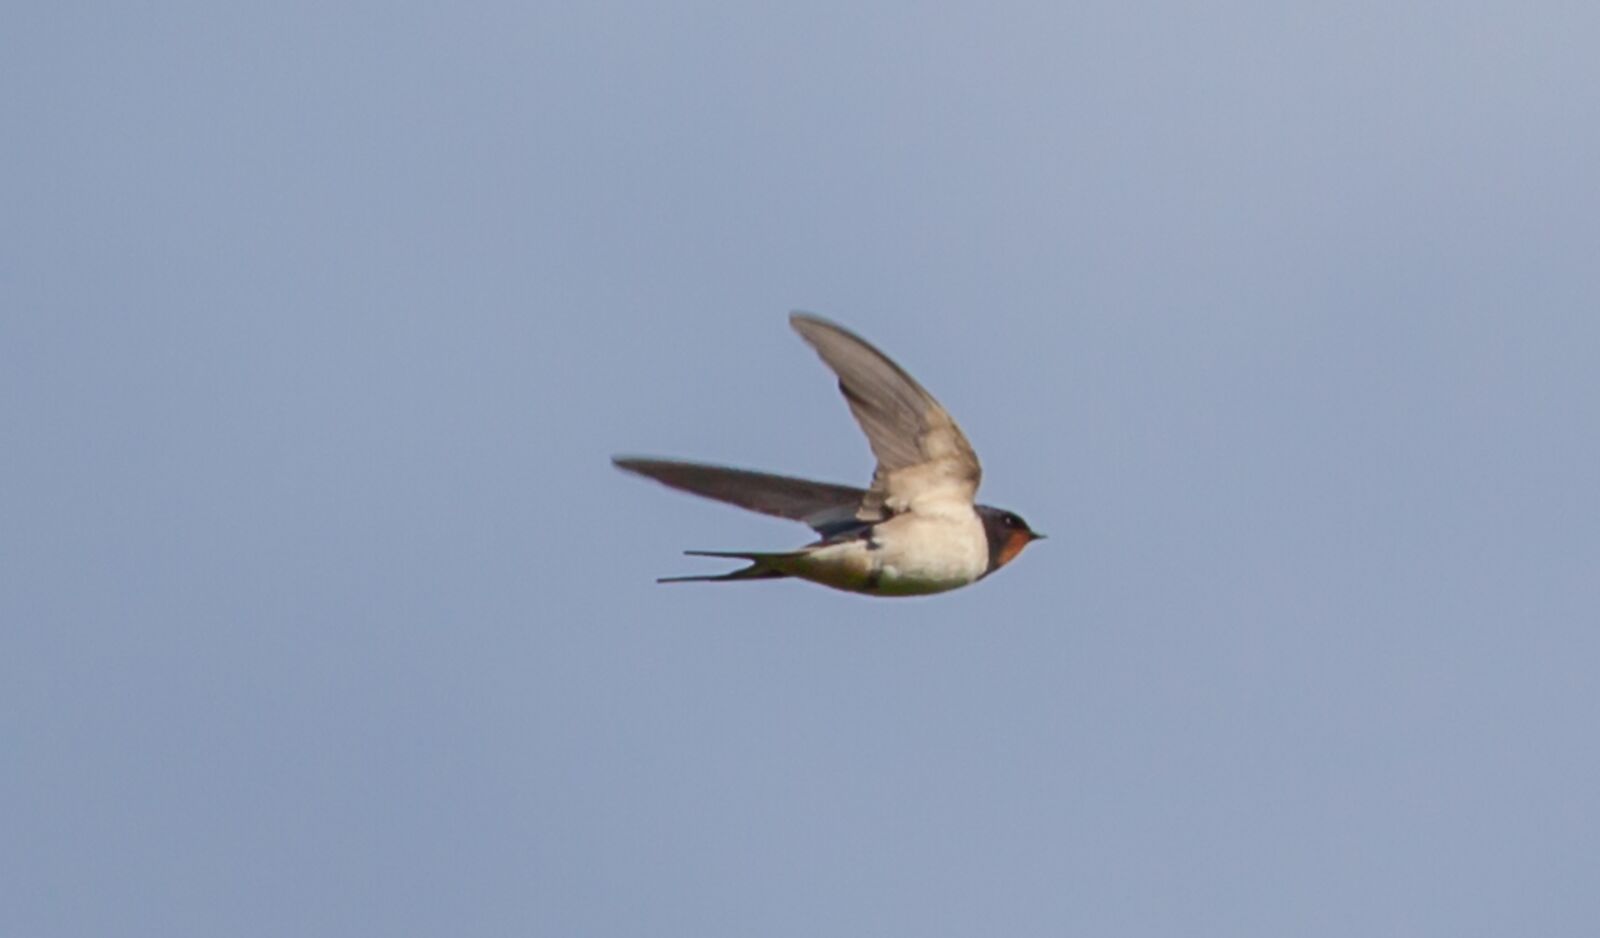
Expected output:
(922, 554)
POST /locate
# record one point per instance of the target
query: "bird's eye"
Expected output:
(1012, 521)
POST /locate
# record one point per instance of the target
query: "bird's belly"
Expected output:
(847, 566)
(914, 574)
(911, 561)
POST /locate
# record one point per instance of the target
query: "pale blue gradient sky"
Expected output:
(323, 613)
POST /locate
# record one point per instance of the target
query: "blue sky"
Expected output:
(325, 614)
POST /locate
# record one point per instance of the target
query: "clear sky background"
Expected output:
(323, 613)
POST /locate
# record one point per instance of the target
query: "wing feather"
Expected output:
(827, 508)
(922, 455)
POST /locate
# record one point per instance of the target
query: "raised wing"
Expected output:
(826, 508)
(923, 457)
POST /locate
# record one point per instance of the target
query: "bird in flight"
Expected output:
(915, 530)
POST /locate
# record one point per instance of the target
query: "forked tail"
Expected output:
(762, 567)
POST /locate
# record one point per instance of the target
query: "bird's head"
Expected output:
(1008, 534)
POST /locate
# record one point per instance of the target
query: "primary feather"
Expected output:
(825, 507)
(922, 455)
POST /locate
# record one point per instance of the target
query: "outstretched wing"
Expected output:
(923, 457)
(826, 508)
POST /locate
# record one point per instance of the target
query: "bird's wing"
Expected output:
(826, 508)
(922, 455)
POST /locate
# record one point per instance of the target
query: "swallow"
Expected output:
(915, 530)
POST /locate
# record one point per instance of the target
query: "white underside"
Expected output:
(909, 555)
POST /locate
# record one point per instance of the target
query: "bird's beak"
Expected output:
(1036, 536)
